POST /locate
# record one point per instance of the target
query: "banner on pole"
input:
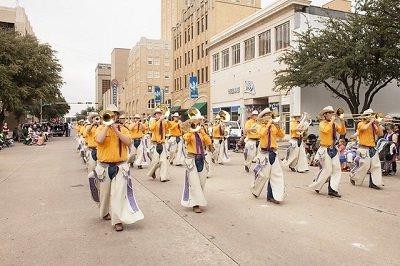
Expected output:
(194, 92)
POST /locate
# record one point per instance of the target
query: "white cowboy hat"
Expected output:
(175, 115)
(158, 110)
(327, 109)
(264, 112)
(255, 112)
(137, 116)
(113, 108)
(368, 112)
(91, 115)
(217, 117)
(122, 117)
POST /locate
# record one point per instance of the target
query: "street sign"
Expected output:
(194, 92)
(114, 91)
(157, 94)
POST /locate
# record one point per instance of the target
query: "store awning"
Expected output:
(202, 107)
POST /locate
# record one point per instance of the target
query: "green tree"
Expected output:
(29, 74)
(83, 114)
(354, 58)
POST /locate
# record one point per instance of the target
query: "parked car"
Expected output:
(58, 130)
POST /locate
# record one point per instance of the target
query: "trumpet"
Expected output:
(97, 120)
(305, 122)
(165, 110)
(108, 117)
(191, 125)
(224, 116)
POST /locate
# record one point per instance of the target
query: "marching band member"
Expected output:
(82, 134)
(176, 152)
(220, 154)
(158, 128)
(89, 134)
(137, 154)
(196, 174)
(208, 149)
(368, 130)
(328, 154)
(268, 167)
(296, 158)
(117, 198)
(252, 140)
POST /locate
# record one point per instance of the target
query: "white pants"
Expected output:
(117, 197)
(221, 154)
(176, 151)
(296, 157)
(195, 180)
(91, 165)
(139, 155)
(208, 163)
(268, 169)
(250, 151)
(330, 170)
(365, 164)
(159, 160)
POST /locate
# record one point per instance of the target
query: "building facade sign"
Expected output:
(157, 94)
(114, 91)
(249, 87)
(234, 90)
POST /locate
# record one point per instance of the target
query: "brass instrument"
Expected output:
(192, 125)
(164, 110)
(107, 117)
(97, 120)
(224, 116)
(304, 124)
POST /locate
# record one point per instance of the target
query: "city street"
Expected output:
(48, 218)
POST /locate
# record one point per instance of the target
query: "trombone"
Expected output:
(107, 117)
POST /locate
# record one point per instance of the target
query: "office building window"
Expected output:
(249, 49)
(202, 75)
(198, 52)
(156, 61)
(205, 47)
(156, 74)
(225, 58)
(216, 62)
(198, 74)
(149, 88)
(264, 43)
(167, 75)
(166, 90)
(236, 54)
(151, 104)
(282, 36)
(149, 61)
(150, 74)
(206, 74)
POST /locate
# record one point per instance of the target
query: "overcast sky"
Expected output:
(84, 32)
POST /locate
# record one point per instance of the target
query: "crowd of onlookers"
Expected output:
(32, 133)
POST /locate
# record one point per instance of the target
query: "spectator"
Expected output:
(40, 140)
(5, 130)
(342, 154)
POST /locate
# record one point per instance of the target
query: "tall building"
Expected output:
(199, 22)
(103, 82)
(244, 60)
(119, 66)
(171, 12)
(149, 66)
(15, 18)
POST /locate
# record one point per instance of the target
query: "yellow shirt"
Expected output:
(190, 139)
(90, 136)
(366, 137)
(326, 132)
(249, 124)
(216, 132)
(82, 130)
(112, 150)
(293, 129)
(155, 130)
(276, 133)
(137, 131)
(175, 129)
(77, 129)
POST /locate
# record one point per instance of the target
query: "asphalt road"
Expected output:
(48, 218)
